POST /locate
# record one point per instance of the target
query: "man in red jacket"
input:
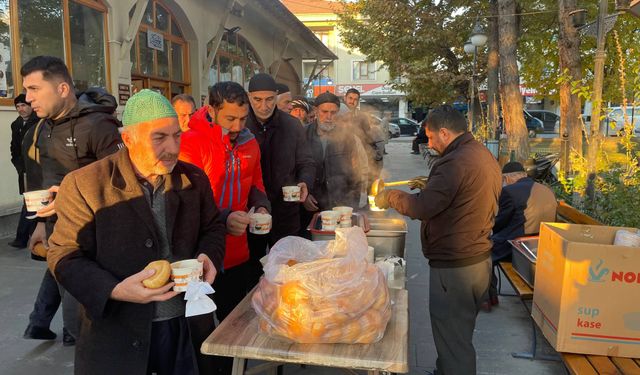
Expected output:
(219, 144)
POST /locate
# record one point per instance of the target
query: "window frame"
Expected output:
(16, 59)
(242, 58)
(167, 36)
(371, 74)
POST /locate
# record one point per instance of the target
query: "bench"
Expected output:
(568, 214)
(524, 292)
(521, 288)
(582, 364)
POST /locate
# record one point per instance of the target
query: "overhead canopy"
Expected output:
(301, 38)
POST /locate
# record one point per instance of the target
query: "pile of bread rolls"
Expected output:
(310, 309)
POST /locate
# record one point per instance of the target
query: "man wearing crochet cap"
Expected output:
(117, 215)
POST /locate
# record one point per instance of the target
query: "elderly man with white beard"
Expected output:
(334, 151)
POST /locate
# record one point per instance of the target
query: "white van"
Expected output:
(614, 120)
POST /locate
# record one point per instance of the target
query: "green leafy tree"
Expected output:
(538, 49)
(420, 41)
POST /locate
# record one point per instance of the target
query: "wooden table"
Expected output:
(239, 337)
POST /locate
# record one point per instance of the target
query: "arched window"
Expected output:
(159, 55)
(74, 30)
(236, 60)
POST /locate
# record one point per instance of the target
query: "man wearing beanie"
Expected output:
(284, 97)
(116, 216)
(333, 147)
(285, 158)
(523, 205)
(26, 119)
(77, 129)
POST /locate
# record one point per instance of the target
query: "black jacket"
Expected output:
(87, 133)
(286, 160)
(336, 182)
(523, 206)
(18, 130)
(31, 157)
(458, 206)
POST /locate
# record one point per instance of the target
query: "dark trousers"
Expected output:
(231, 287)
(455, 296)
(257, 250)
(305, 220)
(493, 286)
(171, 351)
(25, 226)
(48, 300)
(415, 145)
(201, 327)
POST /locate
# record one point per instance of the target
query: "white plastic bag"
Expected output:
(323, 292)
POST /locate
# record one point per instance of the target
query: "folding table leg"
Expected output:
(534, 344)
(238, 366)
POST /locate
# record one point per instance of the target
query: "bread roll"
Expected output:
(160, 278)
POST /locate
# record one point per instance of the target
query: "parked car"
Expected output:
(548, 118)
(394, 129)
(534, 125)
(614, 120)
(407, 126)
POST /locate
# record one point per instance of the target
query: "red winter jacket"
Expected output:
(234, 173)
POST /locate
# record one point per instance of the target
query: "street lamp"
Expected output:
(478, 39)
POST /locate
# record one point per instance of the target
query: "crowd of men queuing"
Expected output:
(173, 181)
(169, 181)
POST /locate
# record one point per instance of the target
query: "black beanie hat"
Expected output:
(512, 166)
(262, 82)
(327, 97)
(282, 88)
(20, 99)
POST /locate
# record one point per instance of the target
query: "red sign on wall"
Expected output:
(317, 90)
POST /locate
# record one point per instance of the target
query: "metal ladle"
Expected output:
(378, 185)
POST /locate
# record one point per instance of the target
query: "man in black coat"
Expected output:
(25, 121)
(77, 130)
(285, 158)
(523, 205)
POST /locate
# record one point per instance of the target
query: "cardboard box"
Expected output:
(586, 295)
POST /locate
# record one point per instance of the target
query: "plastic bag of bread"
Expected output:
(323, 292)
